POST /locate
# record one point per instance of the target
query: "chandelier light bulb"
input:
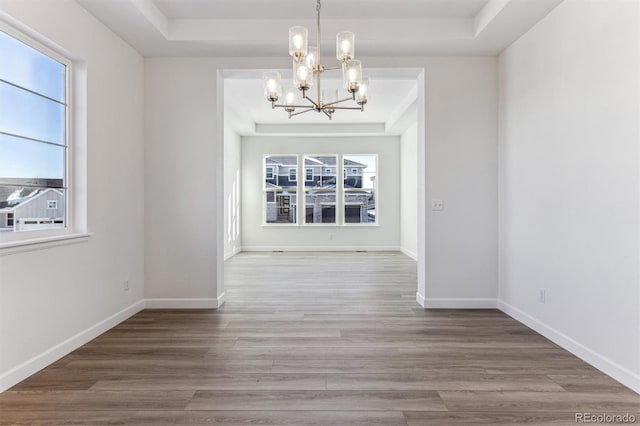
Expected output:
(272, 82)
(311, 60)
(290, 98)
(302, 75)
(345, 43)
(363, 91)
(298, 46)
(352, 75)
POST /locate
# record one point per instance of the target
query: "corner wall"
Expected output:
(54, 299)
(569, 182)
(409, 192)
(232, 184)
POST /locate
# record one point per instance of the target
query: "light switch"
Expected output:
(437, 205)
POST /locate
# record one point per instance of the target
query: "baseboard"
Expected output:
(235, 251)
(320, 248)
(182, 303)
(37, 363)
(616, 371)
(459, 303)
(420, 299)
(409, 253)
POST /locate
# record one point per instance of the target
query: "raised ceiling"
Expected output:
(232, 28)
(259, 28)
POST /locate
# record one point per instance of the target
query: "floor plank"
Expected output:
(317, 339)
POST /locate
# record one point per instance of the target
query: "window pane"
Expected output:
(25, 114)
(360, 182)
(278, 171)
(323, 169)
(281, 206)
(320, 205)
(27, 208)
(22, 158)
(31, 69)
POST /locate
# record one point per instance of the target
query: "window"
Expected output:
(360, 189)
(320, 195)
(33, 133)
(321, 199)
(280, 192)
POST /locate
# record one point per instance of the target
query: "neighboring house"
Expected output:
(319, 177)
(35, 209)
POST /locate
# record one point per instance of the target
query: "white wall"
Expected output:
(409, 191)
(50, 295)
(461, 169)
(183, 147)
(232, 204)
(182, 177)
(386, 235)
(569, 184)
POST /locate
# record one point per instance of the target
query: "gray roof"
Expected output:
(325, 160)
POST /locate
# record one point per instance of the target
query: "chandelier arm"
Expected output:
(301, 112)
(327, 114)
(350, 98)
(360, 108)
(294, 106)
(333, 68)
(315, 104)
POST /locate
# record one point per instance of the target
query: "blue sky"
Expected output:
(27, 114)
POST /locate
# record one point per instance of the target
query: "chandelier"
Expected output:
(307, 66)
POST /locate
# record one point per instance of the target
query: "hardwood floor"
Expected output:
(317, 339)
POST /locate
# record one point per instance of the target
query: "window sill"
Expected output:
(12, 247)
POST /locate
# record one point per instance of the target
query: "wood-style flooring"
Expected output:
(317, 339)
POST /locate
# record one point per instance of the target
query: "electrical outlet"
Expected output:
(542, 295)
(125, 285)
(437, 205)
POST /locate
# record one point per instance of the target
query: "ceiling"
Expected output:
(259, 28)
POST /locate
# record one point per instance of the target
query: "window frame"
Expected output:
(308, 178)
(295, 174)
(28, 237)
(375, 189)
(266, 190)
(337, 191)
(267, 170)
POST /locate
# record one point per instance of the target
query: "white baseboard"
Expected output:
(183, 303)
(459, 303)
(321, 248)
(420, 299)
(409, 253)
(616, 371)
(38, 362)
(228, 256)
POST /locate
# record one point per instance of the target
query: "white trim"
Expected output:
(235, 251)
(409, 253)
(20, 246)
(38, 362)
(607, 366)
(420, 299)
(320, 248)
(185, 303)
(460, 303)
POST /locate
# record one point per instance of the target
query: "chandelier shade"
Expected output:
(307, 67)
